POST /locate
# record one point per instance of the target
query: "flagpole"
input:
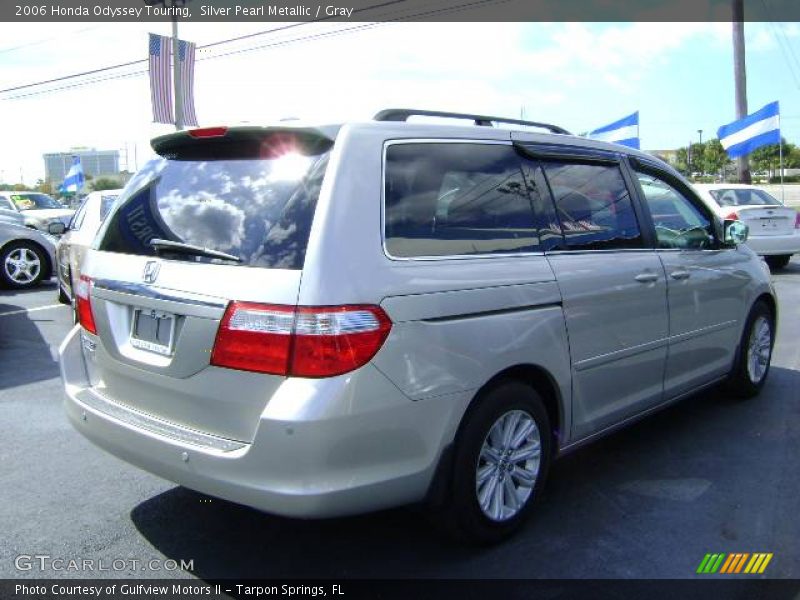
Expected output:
(175, 72)
(780, 154)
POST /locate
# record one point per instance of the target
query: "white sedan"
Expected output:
(774, 228)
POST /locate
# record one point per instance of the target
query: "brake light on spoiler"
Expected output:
(300, 341)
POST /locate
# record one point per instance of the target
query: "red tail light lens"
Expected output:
(334, 340)
(254, 337)
(304, 341)
(797, 221)
(207, 132)
(83, 300)
(732, 217)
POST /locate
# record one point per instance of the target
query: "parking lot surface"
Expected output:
(708, 475)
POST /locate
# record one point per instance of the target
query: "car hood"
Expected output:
(49, 214)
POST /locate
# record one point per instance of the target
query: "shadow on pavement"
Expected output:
(664, 487)
(24, 354)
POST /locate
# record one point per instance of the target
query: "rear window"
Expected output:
(34, 201)
(743, 197)
(257, 209)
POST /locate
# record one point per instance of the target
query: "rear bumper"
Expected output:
(305, 462)
(767, 245)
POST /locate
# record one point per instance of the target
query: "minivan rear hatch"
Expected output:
(220, 215)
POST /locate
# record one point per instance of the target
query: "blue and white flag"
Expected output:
(761, 128)
(625, 132)
(73, 182)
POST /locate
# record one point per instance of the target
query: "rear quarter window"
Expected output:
(456, 199)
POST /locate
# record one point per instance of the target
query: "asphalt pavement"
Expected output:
(708, 475)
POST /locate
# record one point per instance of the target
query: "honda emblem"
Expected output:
(151, 269)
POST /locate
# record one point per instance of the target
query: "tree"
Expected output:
(714, 157)
(104, 183)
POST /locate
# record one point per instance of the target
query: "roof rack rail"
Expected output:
(402, 114)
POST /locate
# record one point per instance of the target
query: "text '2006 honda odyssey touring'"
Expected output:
(321, 321)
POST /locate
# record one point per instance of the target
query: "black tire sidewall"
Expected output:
(740, 382)
(469, 521)
(10, 283)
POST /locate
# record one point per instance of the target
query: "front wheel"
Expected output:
(779, 261)
(502, 455)
(22, 265)
(752, 364)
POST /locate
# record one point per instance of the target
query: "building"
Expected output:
(97, 163)
(668, 156)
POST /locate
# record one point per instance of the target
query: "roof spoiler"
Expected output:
(402, 114)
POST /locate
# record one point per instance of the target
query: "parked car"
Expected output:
(77, 238)
(37, 210)
(27, 256)
(774, 228)
(321, 321)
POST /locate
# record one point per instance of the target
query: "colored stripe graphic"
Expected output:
(735, 563)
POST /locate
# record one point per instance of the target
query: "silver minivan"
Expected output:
(321, 321)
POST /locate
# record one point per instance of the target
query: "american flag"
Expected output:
(186, 74)
(160, 80)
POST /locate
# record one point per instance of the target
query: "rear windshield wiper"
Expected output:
(181, 248)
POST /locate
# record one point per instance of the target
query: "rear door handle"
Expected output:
(646, 277)
(680, 274)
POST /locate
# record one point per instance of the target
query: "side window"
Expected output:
(453, 199)
(6, 203)
(678, 222)
(593, 206)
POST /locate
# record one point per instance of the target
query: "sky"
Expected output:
(679, 76)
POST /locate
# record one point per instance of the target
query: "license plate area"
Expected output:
(153, 330)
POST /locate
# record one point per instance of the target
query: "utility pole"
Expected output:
(740, 79)
(701, 149)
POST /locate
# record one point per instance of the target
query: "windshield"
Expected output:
(259, 210)
(743, 197)
(33, 201)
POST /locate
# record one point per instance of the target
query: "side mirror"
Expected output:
(56, 228)
(736, 232)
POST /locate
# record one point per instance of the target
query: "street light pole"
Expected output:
(702, 166)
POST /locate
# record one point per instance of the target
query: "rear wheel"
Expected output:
(22, 265)
(502, 455)
(779, 261)
(755, 353)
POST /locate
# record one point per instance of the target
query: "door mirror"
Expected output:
(736, 232)
(56, 228)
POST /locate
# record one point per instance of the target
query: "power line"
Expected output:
(220, 42)
(278, 43)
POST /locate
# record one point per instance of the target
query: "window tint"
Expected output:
(77, 219)
(678, 222)
(593, 206)
(743, 197)
(456, 199)
(257, 209)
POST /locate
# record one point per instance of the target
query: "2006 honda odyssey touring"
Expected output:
(321, 321)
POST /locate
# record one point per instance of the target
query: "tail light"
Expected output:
(732, 217)
(797, 220)
(84, 302)
(303, 341)
(208, 132)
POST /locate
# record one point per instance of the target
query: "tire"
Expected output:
(750, 372)
(509, 488)
(779, 261)
(62, 296)
(22, 265)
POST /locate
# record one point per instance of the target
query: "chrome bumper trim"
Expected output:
(134, 418)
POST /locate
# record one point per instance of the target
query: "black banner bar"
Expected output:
(392, 10)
